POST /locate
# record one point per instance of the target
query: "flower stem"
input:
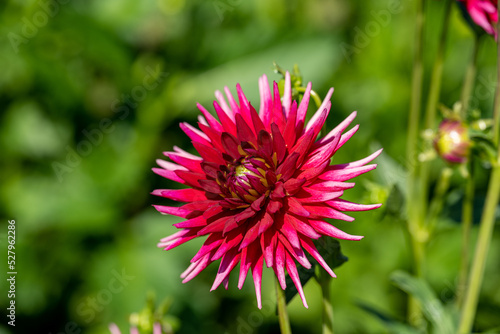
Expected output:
(324, 281)
(282, 313)
(437, 202)
(437, 71)
(482, 246)
(487, 221)
(496, 107)
(430, 113)
(470, 76)
(467, 216)
(414, 217)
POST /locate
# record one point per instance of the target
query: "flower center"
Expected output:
(247, 179)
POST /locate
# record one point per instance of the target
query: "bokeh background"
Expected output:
(91, 93)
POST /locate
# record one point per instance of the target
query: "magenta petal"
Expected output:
(343, 205)
(297, 253)
(192, 164)
(230, 145)
(268, 241)
(195, 134)
(287, 95)
(308, 195)
(344, 174)
(359, 163)
(227, 124)
(294, 206)
(257, 278)
(337, 130)
(171, 210)
(168, 174)
(302, 227)
(266, 102)
(209, 154)
(184, 195)
(213, 241)
(318, 119)
(321, 211)
(331, 231)
(231, 241)
(212, 122)
(332, 186)
(279, 265)
(229, 261)
(346, 136)
(294, 275)
(245, 107)
(311, 249)
(302, 110)
(232, 103)
(257, 229)
(294, 185)
(245, 133)
(290, 134)
(190, 223)
(195, 268)
(279, 145)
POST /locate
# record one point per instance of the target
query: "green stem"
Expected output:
(482, 246)
(437, 202)
(487, 224)
(414, 218)
(324, 280)
(496, 107)
(467, 216)
(430, 112)
(282, 313)
(470, 77)
(437, 71)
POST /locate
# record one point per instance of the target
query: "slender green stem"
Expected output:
(282, 313)
(437, 71)
(496, 108)
(487, 224)
(414, 218)
(324, 281)
(481, 252)
(470, 77)
(467, 215)
(431, 108)
(437, 202)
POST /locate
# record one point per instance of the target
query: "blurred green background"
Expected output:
(91, 93)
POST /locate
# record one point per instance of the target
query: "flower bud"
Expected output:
(452, 141)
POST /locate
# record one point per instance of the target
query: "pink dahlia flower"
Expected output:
(262, 186)
(483, 13)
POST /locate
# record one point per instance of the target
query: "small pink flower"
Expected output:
(483, 13)
(262, 186)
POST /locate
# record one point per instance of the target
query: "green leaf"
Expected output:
(329, 248)
(440, 318)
